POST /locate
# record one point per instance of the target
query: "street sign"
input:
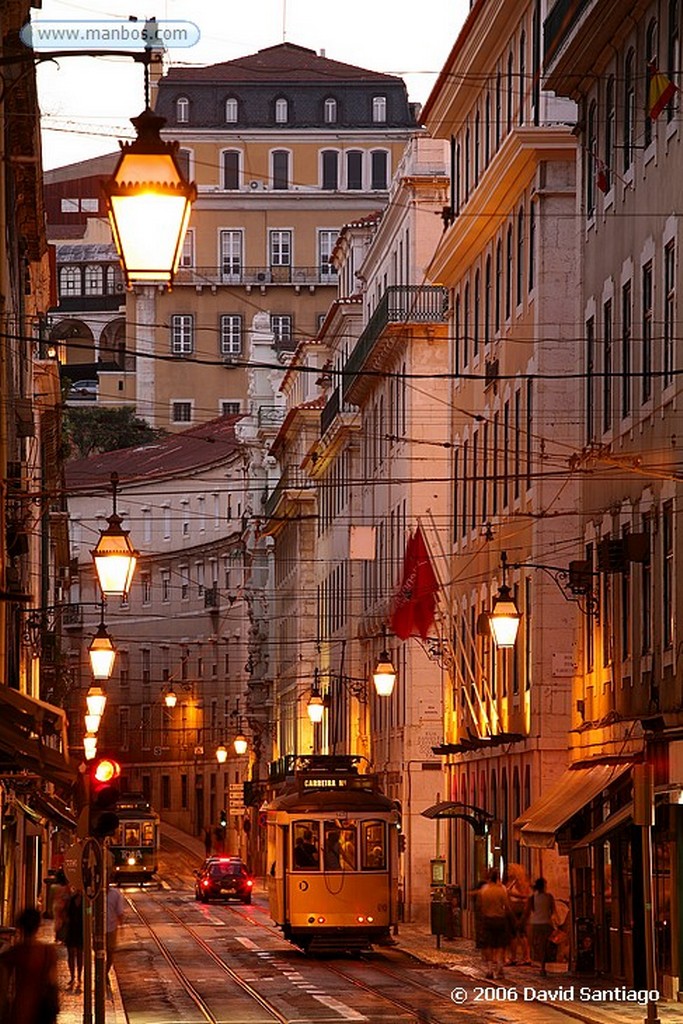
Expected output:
(92, 868)
(72, 865)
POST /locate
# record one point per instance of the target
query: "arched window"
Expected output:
(93, 279)
(477, 147)
(629, 107)
(487, 130)
(510, 95)
(610, 123)
(520, 256)
(673, 57)
(280, 175)
(466, 327)
(499, 107)
(379, 109)
(458, 337)
(591, 143)
(114, 279)
(499, 282)
(182, 110)
(231, 110)
(487, 300)
(477, 314)
(651, 56)
(466, 168)
(508, 275)
(330, 110)
(532, 246)
(330, 161)
(281, 111)
(70, 281)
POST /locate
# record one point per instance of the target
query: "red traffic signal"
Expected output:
(104, 794)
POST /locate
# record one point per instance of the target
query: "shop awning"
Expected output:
(55, 809)
(33, 737)
(575, 788)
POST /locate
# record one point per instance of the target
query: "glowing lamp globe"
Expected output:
(149, 202)
(241, 744)
(504, 619)
(96, 701)
(384, 676)
(115, 559)
(102, 654)
(221, 753)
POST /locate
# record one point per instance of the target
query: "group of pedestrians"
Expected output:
(515, 921)
(29, 987)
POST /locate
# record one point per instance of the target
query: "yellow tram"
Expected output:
(134, 847)
(333, 856)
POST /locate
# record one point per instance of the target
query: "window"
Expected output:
(185, 509)
(124, 728)
(477, 315)
(231, 334)
(629, 109)
(510, 94)
(330, 111)
(466, 326)
(626, 339)
(379, 109)
(673, 52)
(70, 205)
(326, 242)
(354, 170)
(379, 165)
(146, 587)
(182, 110)
(646, 592)
(521, 71)
(231, 255)
(281, 111)
(230, 409)
(281, 326)
(167, 521)
(477, 147)
(646, 373)
(306, 840)
(607, 365)
(520, 257)
(487, 130)
(467, 165)
(182, 334)
(499, 283)
(199, 570)
(610, 125)
(165, 585)
(184, 572)
(508, 273)
(93, 279)
(146, 526)
(146, 665)
(590, 382)
(668, 581)
(499, 107)
(591, 143)
(114, 278)
(165, 792)
(669, 314)
(181, 412)
(330, 169)
(187, 255)
(373, 855)
(280, 245)
(231, 169)
(487, 300)
(231, 110)
(280, 173)
(532, 246)
(70, 281)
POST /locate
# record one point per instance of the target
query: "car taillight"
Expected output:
(249, 883)
(206, 883)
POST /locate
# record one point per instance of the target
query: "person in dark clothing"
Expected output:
(34, 967)
(74, 939)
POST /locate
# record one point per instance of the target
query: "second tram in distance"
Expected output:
(134, 847)
(333, 857)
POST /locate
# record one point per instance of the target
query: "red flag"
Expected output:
(415, 603)
(602, 177)
(662, 91)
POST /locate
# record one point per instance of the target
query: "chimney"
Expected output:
(322, 53)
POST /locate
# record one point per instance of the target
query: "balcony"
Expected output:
(272, 416)
(408, 304)
(256, 277)
(330, 411)
(293, 484)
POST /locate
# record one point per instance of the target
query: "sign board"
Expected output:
(236, 789)
(72, 865)
(92, 868)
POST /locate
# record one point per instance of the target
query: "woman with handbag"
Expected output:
(33, 967)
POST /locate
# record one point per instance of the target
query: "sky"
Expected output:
(87, 103)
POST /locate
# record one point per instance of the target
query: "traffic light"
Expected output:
(104, 794)
(224, 819)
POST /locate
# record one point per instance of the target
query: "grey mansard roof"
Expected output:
(288, 71)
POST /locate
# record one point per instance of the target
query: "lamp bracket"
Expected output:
(575, 583)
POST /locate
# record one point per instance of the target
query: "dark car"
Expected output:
(223, 878)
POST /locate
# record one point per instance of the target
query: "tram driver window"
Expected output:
(373, 846)
(132, 835)
(147, 833)
(306, 838)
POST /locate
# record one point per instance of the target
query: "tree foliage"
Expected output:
(91, 431)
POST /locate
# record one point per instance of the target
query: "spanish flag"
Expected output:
(662, 91)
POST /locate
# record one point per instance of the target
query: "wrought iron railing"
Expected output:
(255, 276)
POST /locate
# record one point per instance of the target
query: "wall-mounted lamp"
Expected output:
(384, 676)
(114, 556)
(221, 753)
(170, 697)
(505, 616)
(240, 743)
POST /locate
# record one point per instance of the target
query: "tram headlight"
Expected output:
(370, 920)
(360, 919)
(132, 860)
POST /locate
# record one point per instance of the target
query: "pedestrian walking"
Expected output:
(61, 892)
(541, 918)
(116, 909)
(32, 965)
(74, 940)
(496, 915)
(519, 891)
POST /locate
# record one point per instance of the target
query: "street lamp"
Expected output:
(384, 676)
(102, 652)
(92, 723)
(96, 700)
(315, 706)
(222, 753)
(149, 202)
(114, 556)
(170, 697)
(89, 746)
(504, 617)
(240, 743)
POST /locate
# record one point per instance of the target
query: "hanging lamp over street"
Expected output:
(114, 556)
(96, 701)
(149, 202)
(102, 653)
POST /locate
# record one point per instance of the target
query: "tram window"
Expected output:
(132, 835)
(373, 846)
(340, 846)
(147, 833)
(306, 838)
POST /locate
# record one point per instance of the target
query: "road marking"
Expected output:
(344, 1011)
(247, 943)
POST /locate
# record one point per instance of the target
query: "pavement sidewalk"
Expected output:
(71, 1000)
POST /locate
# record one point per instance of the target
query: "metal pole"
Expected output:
(644, 815)
(87, 961)
(100, 903)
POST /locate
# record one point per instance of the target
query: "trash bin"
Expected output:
(454, 898)
(441, 914)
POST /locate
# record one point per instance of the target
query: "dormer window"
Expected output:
(182, 110)
(281, 111)
(379, 109)
(231, 110)
(330, 111)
